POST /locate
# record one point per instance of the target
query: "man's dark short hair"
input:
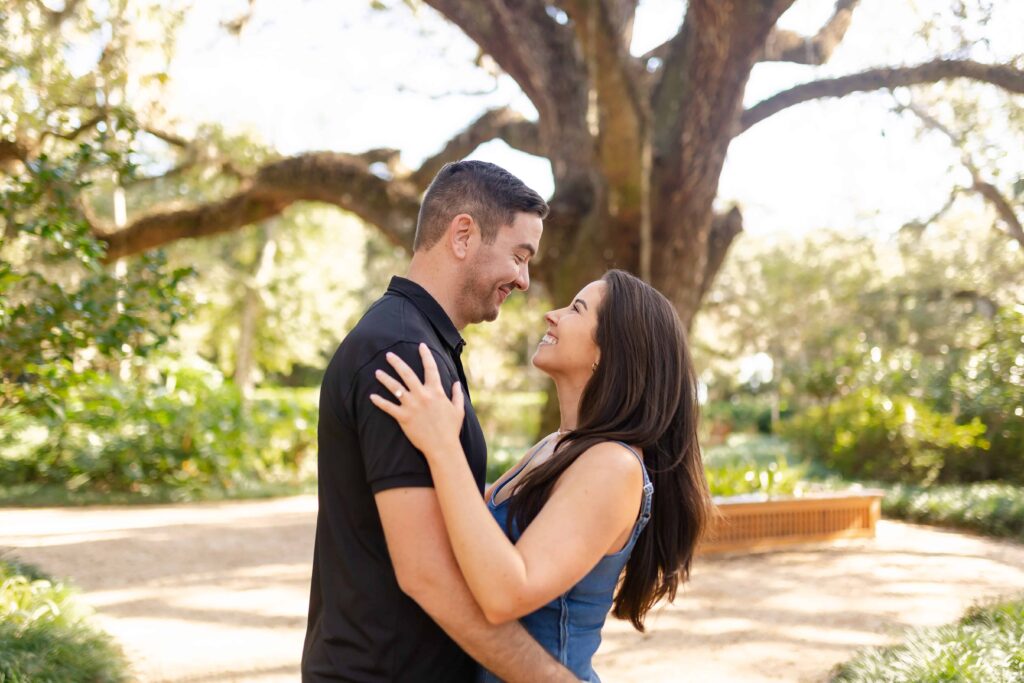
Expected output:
(488, 193)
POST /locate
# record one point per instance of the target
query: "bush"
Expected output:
(750, 464)
(990, 387)
(187, 431)
(868, 435)
(983, 647)
(45, 635)
(748, 414)
(990, 508)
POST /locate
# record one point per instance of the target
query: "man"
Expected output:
(387, 601)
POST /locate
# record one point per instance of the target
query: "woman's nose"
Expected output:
(551, 317)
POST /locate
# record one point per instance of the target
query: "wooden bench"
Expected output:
(759, 524)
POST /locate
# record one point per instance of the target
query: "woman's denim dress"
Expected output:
(569, 627)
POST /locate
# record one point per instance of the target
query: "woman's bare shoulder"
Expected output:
(609, 464)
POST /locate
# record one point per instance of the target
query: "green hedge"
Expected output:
(739, 414)
(749, 463)
(45, 634)
(186, 429)
(984, 646)
(870, 435)
(991, 508)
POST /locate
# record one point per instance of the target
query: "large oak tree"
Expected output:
(636, 143)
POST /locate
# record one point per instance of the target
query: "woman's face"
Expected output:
(568, 349)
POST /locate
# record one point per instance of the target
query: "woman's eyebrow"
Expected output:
(581, 301)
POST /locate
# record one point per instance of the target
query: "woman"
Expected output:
(620, 486)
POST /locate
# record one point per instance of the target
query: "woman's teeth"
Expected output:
(548, 339)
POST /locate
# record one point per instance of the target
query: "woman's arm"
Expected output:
(594, 501)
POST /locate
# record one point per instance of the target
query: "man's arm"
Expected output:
(426, 571)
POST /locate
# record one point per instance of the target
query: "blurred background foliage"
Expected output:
(848, 354)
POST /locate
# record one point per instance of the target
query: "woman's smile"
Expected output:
(549, 339)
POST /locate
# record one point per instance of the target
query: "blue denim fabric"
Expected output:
(569, 627)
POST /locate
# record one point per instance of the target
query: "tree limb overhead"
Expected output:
(984, 188)
(504, 124)
(724, 229)
(1006, 77)
(789, 46)
(343, 180)
(541, 55)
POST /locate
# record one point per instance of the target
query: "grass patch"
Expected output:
(985, 646)
(45, 634)
(991, 508)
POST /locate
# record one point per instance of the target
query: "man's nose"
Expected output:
(523, 281)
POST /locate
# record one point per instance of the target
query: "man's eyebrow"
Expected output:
(581, 301)
(529, 248)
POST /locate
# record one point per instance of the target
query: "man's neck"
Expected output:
(426, 274)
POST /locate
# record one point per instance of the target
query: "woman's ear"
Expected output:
(461, 233)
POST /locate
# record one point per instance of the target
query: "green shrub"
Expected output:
(991, 508)
(741, 413)
(990, 387)
(868, 435)
(186, 430)
(45, 635)
(984, 646)
(751, 464)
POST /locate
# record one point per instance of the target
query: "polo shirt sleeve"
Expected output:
(390, 459)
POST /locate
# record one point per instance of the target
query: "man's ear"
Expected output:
(463, 232)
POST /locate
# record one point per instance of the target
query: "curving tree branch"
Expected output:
(387, 197)
(1004, 76)
(343, 180)
(789, 46)
(527, 41)
(724, 229)
(504, 123)
(987, 190)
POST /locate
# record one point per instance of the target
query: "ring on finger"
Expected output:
(398, 393)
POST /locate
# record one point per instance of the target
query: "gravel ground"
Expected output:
(217, 592)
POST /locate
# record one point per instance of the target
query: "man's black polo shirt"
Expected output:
(362, 627)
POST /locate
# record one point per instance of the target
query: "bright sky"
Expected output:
(337, 75)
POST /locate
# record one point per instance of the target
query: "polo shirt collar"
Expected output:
(429, 307)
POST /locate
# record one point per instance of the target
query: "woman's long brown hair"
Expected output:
(643, 393)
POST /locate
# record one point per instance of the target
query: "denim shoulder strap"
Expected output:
(536, 449)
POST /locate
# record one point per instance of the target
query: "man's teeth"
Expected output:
(548, 339)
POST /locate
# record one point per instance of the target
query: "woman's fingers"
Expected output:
(391, 384)
(430, 374)
(404, 371)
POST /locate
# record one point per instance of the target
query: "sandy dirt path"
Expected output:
(217, 592)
